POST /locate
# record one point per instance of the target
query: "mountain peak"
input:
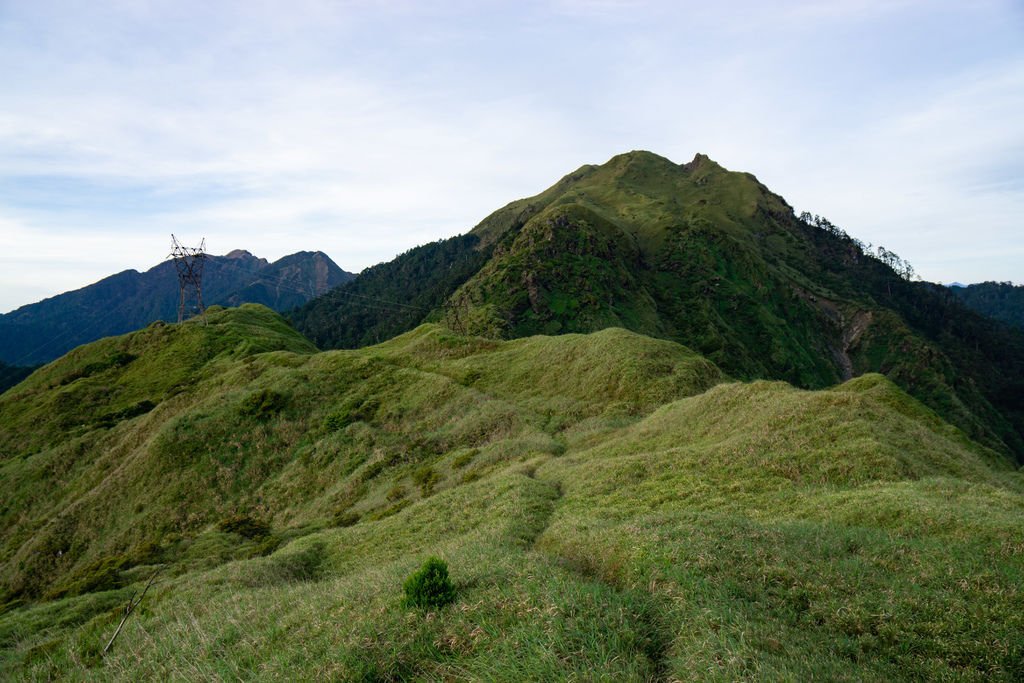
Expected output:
(702, 162)
(639, 158)
(638, 155)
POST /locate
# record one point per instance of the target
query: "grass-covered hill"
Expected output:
(610, 505)
(43, 331)
(706, 257)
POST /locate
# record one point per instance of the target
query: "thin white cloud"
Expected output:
(365, 128)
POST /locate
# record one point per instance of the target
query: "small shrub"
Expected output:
(346, 519)
(469, 377)
(266, 545)
(147, 552)
(372, 470)
(336, 421)
(243, 525)
(420, 448)
(118, 360)
(294, 567)
(429, 587)
(383, 513)
(263, 403)
(112, 418)
(102, 575)
(426, 478)
(464, 458)
(352, 410)
(397, 492)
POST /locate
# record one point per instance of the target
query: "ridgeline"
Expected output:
(711, 259)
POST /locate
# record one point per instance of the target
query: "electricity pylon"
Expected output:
(189, 263)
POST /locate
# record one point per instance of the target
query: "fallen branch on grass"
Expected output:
(130, 607)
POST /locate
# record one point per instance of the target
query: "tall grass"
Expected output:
(641, 519)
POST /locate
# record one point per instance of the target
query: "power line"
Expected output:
(338, 291)
(60, 337)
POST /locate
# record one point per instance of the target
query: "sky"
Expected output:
(362, 129)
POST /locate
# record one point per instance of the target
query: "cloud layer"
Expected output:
(363, 129)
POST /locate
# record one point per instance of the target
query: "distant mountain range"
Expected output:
(706, 257)
(40, 332)
(1000, 300)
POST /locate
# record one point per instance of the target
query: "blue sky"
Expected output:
(365, 128)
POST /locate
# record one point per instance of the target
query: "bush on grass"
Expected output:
(429, 587)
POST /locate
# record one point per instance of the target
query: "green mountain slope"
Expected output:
(706, 257)
(713, 259)
(390, 298)
(610, 504)
(394, 297)
(999, 300)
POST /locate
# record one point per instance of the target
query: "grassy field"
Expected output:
(610, 506)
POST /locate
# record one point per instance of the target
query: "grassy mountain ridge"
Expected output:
(178, 408)
(714, 260)
(635, 515)
(709, 258)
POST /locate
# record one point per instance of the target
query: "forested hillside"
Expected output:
(12, 374)
(390, 298)
(1000, 300)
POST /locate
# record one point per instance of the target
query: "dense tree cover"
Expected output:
(390, 298)
(999, 300)
(880, 253)
(981, 359)
(12, 374)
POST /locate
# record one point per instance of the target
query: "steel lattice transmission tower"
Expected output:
(189, 263)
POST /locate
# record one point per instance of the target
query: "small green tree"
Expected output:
(429, 586)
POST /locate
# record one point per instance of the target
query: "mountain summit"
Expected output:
(707, 257)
